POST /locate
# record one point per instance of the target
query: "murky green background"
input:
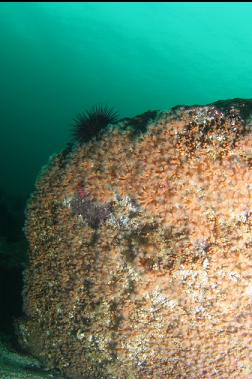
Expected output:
(57, 59)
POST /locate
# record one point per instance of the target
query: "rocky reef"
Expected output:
(140, 250)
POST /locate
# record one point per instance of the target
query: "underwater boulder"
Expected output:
(140, 250)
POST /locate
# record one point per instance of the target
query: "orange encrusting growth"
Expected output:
(160, 288)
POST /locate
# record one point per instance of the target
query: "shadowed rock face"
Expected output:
(241, 106)
(159, 285)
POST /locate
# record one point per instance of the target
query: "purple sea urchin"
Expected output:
(90, 123)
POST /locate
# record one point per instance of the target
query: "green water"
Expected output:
(58, 59)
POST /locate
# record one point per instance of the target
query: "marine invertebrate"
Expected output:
(163, 290)
(90, 123)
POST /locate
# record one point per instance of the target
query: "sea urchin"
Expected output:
(90, 123)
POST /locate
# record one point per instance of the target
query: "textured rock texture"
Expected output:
(15, 365)
(140, 250)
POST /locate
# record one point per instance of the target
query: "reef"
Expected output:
(140, 249)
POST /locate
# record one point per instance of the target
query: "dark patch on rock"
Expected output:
(232, 107)
(244, 106)
(139, 123)
(93, 212)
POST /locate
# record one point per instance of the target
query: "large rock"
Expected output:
(140, 250)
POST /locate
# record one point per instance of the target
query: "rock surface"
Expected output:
(15, 365)
(140, 250)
